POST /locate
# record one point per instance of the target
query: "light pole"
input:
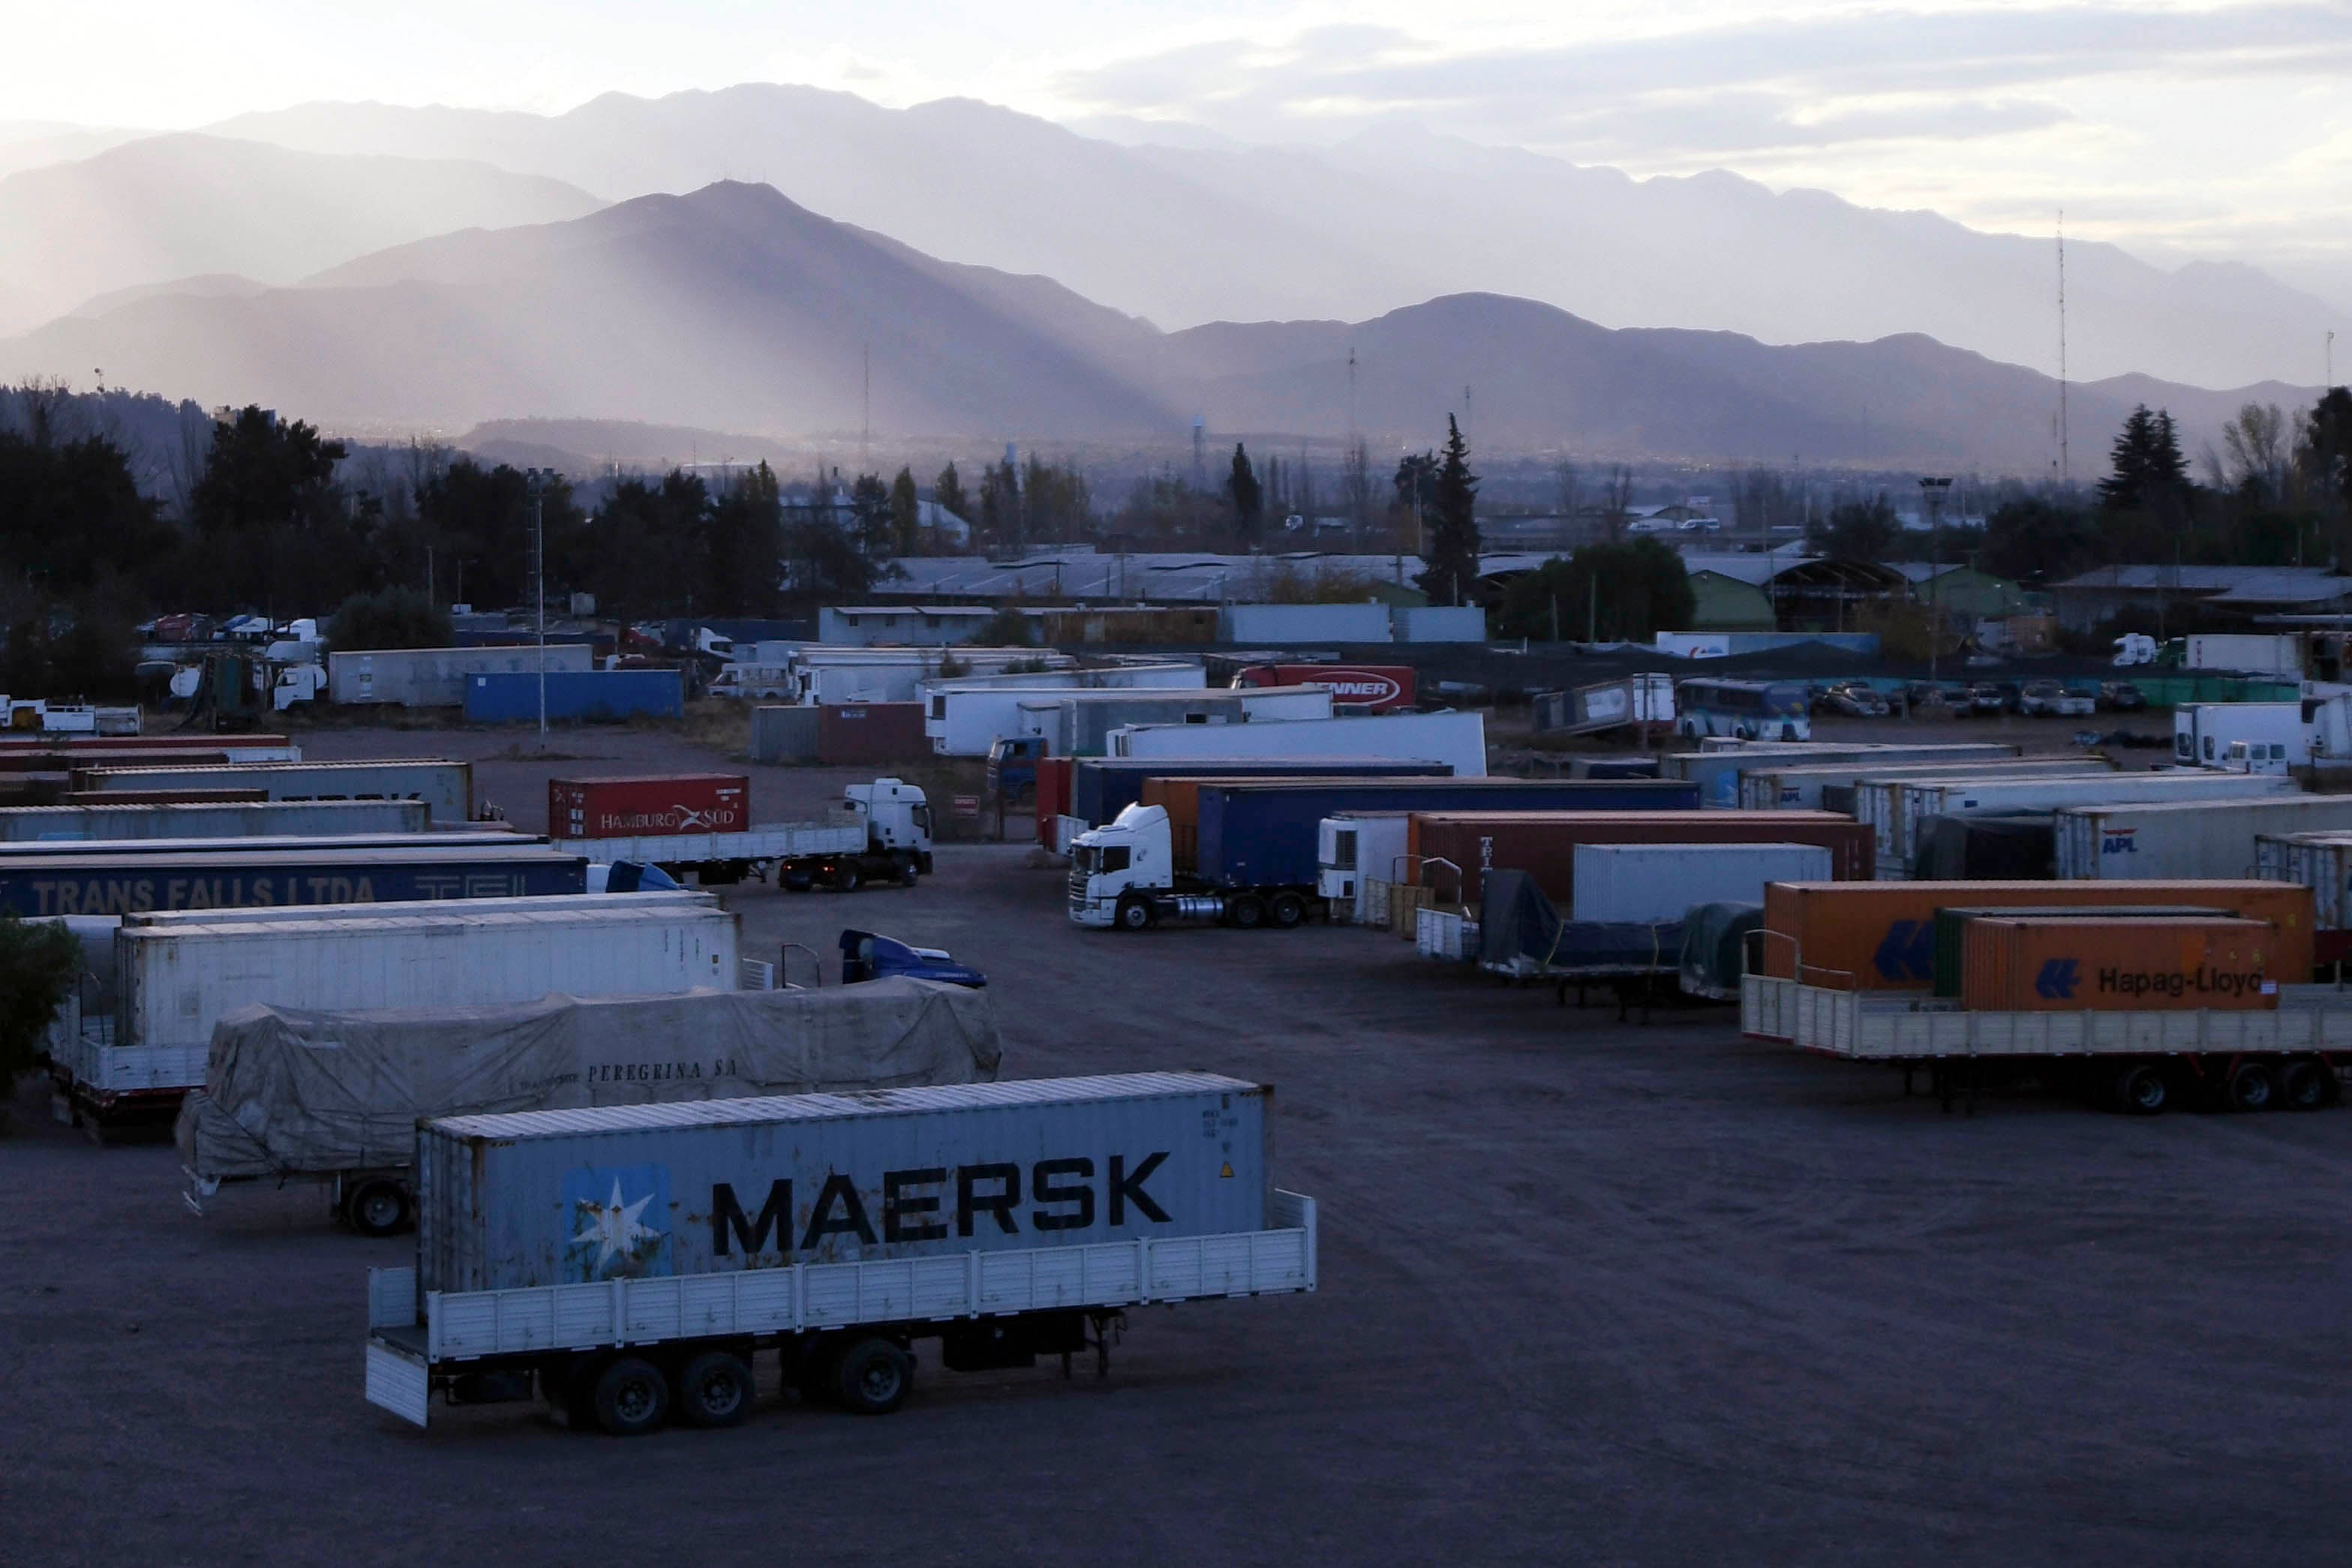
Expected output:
(536, 481)
(1933, 492)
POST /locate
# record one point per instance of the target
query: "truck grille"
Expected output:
(1077, 890)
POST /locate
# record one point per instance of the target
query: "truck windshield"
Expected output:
(1082, 859)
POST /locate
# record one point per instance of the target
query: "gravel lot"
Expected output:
(1592, 1292)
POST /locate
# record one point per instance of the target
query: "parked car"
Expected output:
(1857, 701)
(1987, 699)
(2123, 697)
(2049, 699)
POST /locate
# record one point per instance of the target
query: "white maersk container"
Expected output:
(445, 788)
(2202, 733)
(2215, 839)
(1459, 738)
(436, 677)
(2267, 653)
(1655, 884)
(1921, 799)
(1800, 789)
(253, 819)
(175, 979)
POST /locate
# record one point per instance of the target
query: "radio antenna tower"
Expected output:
(2065, 470)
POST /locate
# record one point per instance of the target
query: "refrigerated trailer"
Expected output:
(1717, 769)
(629, 1264)
(2154, 840)
(1801, 788)
(1458, 739)
(1895, 828)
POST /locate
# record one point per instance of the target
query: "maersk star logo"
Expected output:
(613, 1226)
(616, 1222)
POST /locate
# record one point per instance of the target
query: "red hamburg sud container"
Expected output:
(633, 808)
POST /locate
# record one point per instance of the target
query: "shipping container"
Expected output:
(1952, 926)
(1800, 788)
(55, 759)
(2321, 862)
(593, 696)
(1876, 936)
(1359, 861)
(1356, 688)
(436, 677)
(856, 734)
(233, 873)
(898, 674)
(160, 797)
(1458, 739)
(2178, 964)
(645, 805)
(1180, 796)
(1716, 770)
(968, 721)
(2199, 838)
(445, 788)
(1052, 800)
(2020, 848)
(1102, 787)
(1895, 833)
(20, 824)
(1292, 626)
(1438, 623)
(783, 733)
(1654, 884)
(2261, 653)
(238, 748)
(448, 841)
(2203, 732)
(1455, 849)
(558, 1197)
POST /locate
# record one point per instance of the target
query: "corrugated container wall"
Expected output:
(1800, 789)
(445, 788)
(436, 677)
(1874, 936)
(1964, 797)
(1286, 626)
(1647, 884)
(595, 696)
(554, 1197)
(2207, 838)
(637, 805)
(1456, 738)
(22, 823)
(129, 881)
(1438, 623)
(175, 981)
(783, 735)
(1543, 844)
(2135, 965)
(1102, 787)
(1718, 771)
(849, 734)
(1053, 797)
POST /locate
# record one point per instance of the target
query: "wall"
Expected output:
(1280, 625)
(871, 733)
(574, 696)
(783, 735)
(1440, 622)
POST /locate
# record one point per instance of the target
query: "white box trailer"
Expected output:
(2151, 841)
(1716, 769)
(1360, 860)
(1140, 675)
(1878, 794)
(445, 788)
(1918, 799)
(1800, 789)
(1656, 884)
(2202, 733)
(826, 675)
(436, 677)
(1078, 725)
(965, 722)
(1457, 738)
(174, 980)
(251, 819)
(2252, 653)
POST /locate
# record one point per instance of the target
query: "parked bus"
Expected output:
(1748, 709)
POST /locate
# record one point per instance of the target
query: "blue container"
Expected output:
(1264, 835)
(577, 695)
(1102, 787)
(136, 883)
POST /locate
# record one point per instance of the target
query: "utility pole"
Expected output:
(2065, 470)
(1933, 491)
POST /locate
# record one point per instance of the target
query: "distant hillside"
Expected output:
(165, 208)
(734, 309)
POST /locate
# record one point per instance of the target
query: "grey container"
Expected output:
(436, 677)
(556, 1197)
(38, 824)
(781, 735)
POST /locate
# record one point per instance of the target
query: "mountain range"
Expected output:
(734, 308)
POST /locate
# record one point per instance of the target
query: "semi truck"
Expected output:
(1253, 859)
(882, 832)
(628, 1265)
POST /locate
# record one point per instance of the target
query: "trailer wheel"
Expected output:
(631, 1397)
(875, 1377)
(2251, 1087)
(796, 880)
(847, 878)
(379, 1207)
(1247, 912)
(715, 1389)
(2142, 1090)
(1132, 914)
(909, 875)
(2307, 1083)
(1289, 911)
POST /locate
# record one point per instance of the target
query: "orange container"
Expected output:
(1872, 936)
(2177, 964)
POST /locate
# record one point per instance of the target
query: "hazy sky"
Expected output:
(2219, 129)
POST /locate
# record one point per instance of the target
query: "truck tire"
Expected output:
(2307, 1083)
(873, 1377)
(1289, 911)
(2142, 1090)
(795, 879)
(1247, 912)
(714, 1389)
(2251, 1087)
(631, 1396)
(908, 873)
(1132, 914)
(378, 1206)
(849, 876)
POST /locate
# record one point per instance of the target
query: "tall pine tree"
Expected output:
(1451, 575)
(1249, 500)
(2147, 463)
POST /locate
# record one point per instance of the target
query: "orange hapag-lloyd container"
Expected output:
(1871, 936)
(2177, 964)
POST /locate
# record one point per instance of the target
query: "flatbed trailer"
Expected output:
(622, 1353)
(884, 834)
(2245, 1060)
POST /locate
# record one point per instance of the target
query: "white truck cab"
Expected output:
(898, 816)
(1117, 869)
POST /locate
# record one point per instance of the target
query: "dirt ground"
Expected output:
(1592, 1292)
